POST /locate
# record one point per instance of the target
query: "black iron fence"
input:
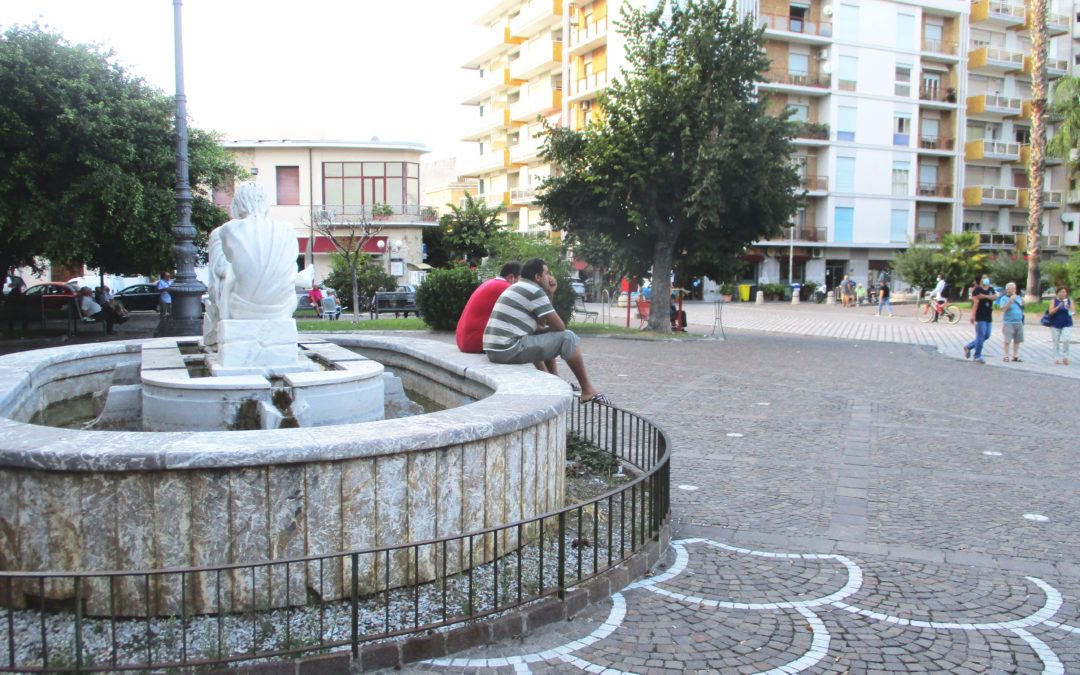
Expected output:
(235, 614)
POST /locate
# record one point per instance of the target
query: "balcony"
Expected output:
(588, 87)
(529, 108)
(1051, 199)
(585, 38)
(1046, 243)
(937, 97)
(991, 105)
(543, 55)
(816, 134)
(522, 197)
(991, 60)
(937, 143)
(934, 190)
(1001, 13)
(1055, 68)
(928, 236)
(991, 151)
(496, 120)
(796, 29)
(1056, 24)
(498, 41)
(939, 47)
(525, 151)
(987, 195)
(345, 215)
(802, 233)
(814, 84)
(536, 17)
(998, 240)
(493, 84)
(1027, 109)
(814, 185)
(1073, 197)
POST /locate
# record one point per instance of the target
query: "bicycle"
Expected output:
(930, 310)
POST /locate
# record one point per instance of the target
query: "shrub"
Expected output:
(442, 296)
(371, 276)
(1005, 269)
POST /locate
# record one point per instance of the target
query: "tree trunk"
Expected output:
(659, 317)
(1037, 168)
(355, 291)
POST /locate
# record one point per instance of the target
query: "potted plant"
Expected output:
(950, 95)
(429, 214)
(382, 211)
(727, 291)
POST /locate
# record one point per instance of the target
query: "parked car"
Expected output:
(10, 281)
(139, 298)
(579, 288)
(51, 299)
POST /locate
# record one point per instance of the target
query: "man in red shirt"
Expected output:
(474, 318)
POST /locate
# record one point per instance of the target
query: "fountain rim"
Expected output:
(521, 396)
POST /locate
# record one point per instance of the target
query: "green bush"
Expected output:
(1005, 269)
(442, 296)
(371, 276)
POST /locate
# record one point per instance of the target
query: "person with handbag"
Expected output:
(1060, 316)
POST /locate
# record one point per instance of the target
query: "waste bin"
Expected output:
(744, 292)
(795, 289)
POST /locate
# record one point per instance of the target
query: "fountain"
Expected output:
(243, 447)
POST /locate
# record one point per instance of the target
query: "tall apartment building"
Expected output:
(915, 119)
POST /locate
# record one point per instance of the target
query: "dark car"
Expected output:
(49, 300)
(139, 298)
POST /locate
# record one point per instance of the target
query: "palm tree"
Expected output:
(1037, 168)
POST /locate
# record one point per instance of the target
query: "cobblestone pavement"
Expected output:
(839, 505)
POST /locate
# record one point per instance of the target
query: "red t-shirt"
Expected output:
(474, 318)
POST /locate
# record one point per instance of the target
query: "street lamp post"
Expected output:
(186, 290)
(791, 258)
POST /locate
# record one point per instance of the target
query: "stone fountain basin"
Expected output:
(106, 500)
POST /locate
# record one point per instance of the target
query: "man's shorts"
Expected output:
(1013, 331)
(533, 348)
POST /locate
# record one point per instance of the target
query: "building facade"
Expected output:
(913, 119)
(336, 184)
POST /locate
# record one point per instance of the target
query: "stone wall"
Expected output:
(101, 500)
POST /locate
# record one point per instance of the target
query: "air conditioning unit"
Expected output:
(817, 253)
(823, 55)
(586, 105)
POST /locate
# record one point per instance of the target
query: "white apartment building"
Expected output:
(915, 119)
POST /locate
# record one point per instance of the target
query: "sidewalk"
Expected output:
(859, 323)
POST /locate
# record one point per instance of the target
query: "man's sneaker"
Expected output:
(980, 361)
(967, 352)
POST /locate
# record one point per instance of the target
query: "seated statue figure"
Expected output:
(252, 261)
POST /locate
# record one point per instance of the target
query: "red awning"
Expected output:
(752, 258)
(324, 245)
(579, 265)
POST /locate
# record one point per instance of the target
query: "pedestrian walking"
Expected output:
(884, 298)
(164, 298)
(982, 301)
(847, 292)
(1061, 324)
(1012, 321)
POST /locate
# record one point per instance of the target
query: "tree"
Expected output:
(88, 159)
(370, 277)
(919, 266)
(961, 260)
(349, 233)
(1067, 139)
(469, 230)
(1037, 165)
(1005, 269)
(684, 154)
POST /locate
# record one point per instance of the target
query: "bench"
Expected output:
(580, 308)
(385, 302)
(644, 307)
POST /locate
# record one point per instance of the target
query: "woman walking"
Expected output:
(1061, 323)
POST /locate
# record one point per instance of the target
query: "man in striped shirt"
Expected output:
(524, 328)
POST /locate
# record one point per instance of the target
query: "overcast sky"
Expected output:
(329, 69)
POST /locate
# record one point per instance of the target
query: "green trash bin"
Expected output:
(744, 292)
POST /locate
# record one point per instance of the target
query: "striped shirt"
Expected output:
(516, 315)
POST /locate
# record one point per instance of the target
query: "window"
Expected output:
(288, 185)
(902, 129)
(800, 112)
(799, 68)
(929, 137)
(797, 13)
(1022, 135)
(928, 186)
(898, 226)
(849, 72)
(844, 224)
(972, 227)
(933, 35)
(845, 174)
(849, 23)
(903, 80)
(900, 171)
(845, 123)
(931, 86)
(358, 184)
(905, 31)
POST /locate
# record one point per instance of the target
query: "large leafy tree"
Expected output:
(88, 159)
(961, 261)
(919, 266)
(685, 156)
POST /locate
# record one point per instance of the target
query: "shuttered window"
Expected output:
(288, 185)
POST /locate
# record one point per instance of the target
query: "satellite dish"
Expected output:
(827, 10)
(827, 67)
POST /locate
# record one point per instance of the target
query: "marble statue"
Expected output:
(252, 265)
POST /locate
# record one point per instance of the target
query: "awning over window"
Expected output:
(324, 245)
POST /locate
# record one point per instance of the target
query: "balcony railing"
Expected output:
(926, 236)
(814, 183)
(998, 10)
(593, 82)
(797, 78)
(994, 104)
(589, 31)
(795, 24)
(997, 239)
(939, 94)
(984, 148)
(939, 46)
(1051, 199)
(935, 190)
(812, 131)
(988, 195)
(937, 143)
(352, 214)
(522, 195)
(991, 57)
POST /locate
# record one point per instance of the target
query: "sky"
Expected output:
(315, 69)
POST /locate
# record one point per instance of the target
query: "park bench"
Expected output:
(580, 308)
(384, 302)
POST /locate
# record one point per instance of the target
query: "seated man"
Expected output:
(524, 328)
(92, 311)
(474, 318)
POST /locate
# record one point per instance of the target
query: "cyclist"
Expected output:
(939, 295)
